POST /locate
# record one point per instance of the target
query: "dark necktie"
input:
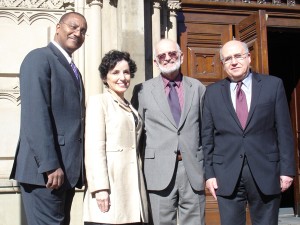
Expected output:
(76, 72)
(241, 105)
(174, 102)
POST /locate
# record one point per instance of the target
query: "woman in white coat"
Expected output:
(115, 191)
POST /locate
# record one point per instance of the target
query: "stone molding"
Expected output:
(12, 95)
(174, 5)
(35, 4)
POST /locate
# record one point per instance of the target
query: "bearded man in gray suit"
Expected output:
(173, 156)
(49, 158)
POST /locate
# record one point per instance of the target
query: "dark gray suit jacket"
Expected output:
(267, 140)
(52, 119)
(163, 138)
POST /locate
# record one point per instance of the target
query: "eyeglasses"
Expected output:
(75, 27)
(237, 57)
(172, 54)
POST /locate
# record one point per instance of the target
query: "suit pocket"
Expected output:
(149, 153)
(218, 159)
(114, 149)
(61, 140)
(273, 157)
(199, 156)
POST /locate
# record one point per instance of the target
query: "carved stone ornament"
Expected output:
(31, 4)
(174, 4)
(12, 94)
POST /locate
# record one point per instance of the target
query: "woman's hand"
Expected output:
(103, 200)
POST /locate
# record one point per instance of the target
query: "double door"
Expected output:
(200, 41)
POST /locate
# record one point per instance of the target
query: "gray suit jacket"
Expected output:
(52, 119)
(163, 138)
(267, 139)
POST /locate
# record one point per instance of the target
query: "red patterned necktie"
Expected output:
(241, 105)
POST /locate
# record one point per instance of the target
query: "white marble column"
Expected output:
(173, 6)
(78, 55)
(93, 83)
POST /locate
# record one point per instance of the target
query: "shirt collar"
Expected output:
(246, 81)
(177, 80)
(62, 51)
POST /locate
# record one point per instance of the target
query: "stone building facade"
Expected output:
(127, 25)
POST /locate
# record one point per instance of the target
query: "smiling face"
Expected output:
(168, 58)
(118, 79)
(70, 32)
(236, 60)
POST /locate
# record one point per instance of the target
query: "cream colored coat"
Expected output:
(112, 161)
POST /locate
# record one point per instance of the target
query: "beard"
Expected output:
(175, 67)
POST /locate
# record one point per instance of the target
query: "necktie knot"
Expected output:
(172, 84)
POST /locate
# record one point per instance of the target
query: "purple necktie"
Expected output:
(174, 102)
(76, 72)
(241, 105)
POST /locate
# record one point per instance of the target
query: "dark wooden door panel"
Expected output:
(200, 44)
(253, 31)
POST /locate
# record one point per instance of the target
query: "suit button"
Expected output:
(241, 156)
(80, 140)
(178, 132)
(244, 135)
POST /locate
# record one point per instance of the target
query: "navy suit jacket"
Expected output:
(52, 119)
(267, 140)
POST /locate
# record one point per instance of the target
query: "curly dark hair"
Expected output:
(110, 60)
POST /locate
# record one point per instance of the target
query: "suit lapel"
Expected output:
(256, 89)
(62, 59)
(188, 93)
(225, 90)
(160, 97)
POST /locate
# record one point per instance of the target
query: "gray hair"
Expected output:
(177, 46)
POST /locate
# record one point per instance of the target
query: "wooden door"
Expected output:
(295, 114)
(253, 31)
(201, 43)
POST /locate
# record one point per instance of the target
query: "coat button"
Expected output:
(80, 140)
(178, 132)
(241, 156)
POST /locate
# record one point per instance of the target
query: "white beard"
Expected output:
(170, 70)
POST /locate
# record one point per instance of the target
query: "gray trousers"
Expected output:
(178, 200)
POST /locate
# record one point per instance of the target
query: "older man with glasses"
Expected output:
(171, 106)
(247, 140)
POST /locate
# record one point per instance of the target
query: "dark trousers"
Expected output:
(264, 209)
(90, 223)
(45, 206)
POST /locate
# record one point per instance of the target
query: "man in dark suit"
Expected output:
(49, 157)
(173, 156)
(247, 140)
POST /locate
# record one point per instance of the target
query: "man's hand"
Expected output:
(285, 182)
(211, 185)
(103, 200)
(55, 178)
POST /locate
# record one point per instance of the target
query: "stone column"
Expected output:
(173, 6)
(93, 84)
(156, 30)
(78, 56)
